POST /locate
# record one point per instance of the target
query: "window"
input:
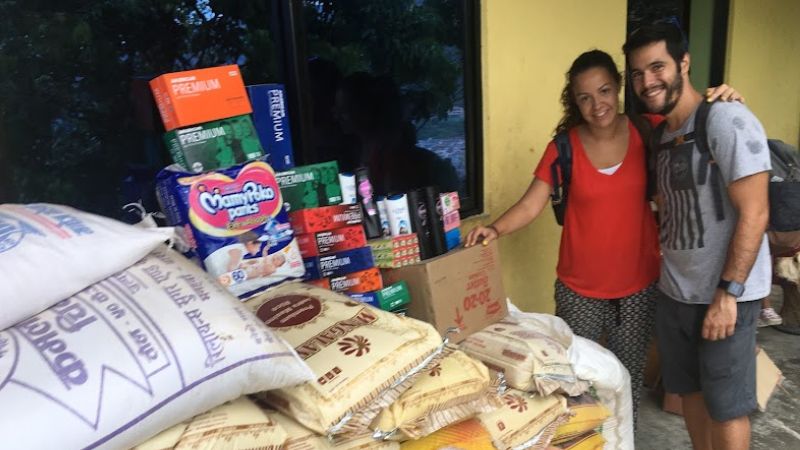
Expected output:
(77, 121)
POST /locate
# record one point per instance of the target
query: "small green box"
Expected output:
(310, 186)
(213, 145)
(394, 297)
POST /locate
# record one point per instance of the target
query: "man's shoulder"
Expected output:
(733, 118)
(724, 115)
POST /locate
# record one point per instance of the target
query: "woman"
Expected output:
(609, 255)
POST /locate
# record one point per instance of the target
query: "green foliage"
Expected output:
(67, 123)
(415, 42)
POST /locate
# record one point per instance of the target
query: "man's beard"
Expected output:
(672, 94)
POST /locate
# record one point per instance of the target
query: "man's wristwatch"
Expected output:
(731, 287)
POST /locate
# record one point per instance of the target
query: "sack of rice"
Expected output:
(132, 355)
(301, 438)
(49, 252)
(525, 421)
(589, 441)
(530, 360)
(457, 388)
(235, 425)
(586, 414)
(362, 358)
(466, 435)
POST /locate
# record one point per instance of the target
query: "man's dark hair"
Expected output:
(668, 32)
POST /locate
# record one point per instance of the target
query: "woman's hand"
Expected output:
(481, 234)
(724, 93)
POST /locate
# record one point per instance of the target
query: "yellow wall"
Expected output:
(527, 46)
(763, 62)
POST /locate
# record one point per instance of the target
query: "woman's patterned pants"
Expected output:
(627, 324)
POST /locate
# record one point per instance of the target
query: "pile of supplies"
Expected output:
(289, 309)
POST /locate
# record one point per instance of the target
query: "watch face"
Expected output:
(735, 289)
(731, 287)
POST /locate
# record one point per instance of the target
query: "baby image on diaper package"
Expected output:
(234, 219)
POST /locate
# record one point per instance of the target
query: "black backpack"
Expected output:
(561, 168)
(784, 186)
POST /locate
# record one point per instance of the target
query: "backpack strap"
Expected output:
(561, 174)
(706, 158)
(652, 160)
(645, 129)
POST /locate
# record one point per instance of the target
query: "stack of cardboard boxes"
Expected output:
(206, 115)
(332, 240)
(207, 118)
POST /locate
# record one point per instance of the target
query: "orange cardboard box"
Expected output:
(202, 95)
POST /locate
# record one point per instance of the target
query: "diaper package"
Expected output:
(235, 221)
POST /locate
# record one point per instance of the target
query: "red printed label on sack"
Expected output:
(289, 310)
(221, 206)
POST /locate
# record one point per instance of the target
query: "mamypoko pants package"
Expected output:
(235, 221)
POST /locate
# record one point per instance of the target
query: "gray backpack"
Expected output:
(784, 186)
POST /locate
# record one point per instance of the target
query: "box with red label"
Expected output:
(358, 282)
(450, 202)
(325, 242)
(325, 218)
(462, 288)
(451, 220)
(196, 96)
(338, 264)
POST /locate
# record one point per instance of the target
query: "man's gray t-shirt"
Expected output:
(694, 243)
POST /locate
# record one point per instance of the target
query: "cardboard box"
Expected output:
(211, 145)
(271, 119)
(357, 282)
(395, 262)
(450, 202)
(338, 264)
(326, 218)
(331, 241)
(392, 242)
(452, 238)
(451, 221)
(197, 96)
(395, 257)
(463, 289)
(310, 186)
(768, 376)
(391, 298)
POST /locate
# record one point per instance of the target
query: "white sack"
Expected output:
(594, 363)
(49, 252)
(133, 355)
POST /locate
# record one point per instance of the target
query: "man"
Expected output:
(714, 271)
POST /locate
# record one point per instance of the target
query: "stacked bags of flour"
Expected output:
(543, 361)
(547, 405)
(379, 378)
(109, 337)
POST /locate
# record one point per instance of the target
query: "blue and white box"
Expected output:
(271, 119)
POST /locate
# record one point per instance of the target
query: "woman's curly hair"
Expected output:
(587, 60)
